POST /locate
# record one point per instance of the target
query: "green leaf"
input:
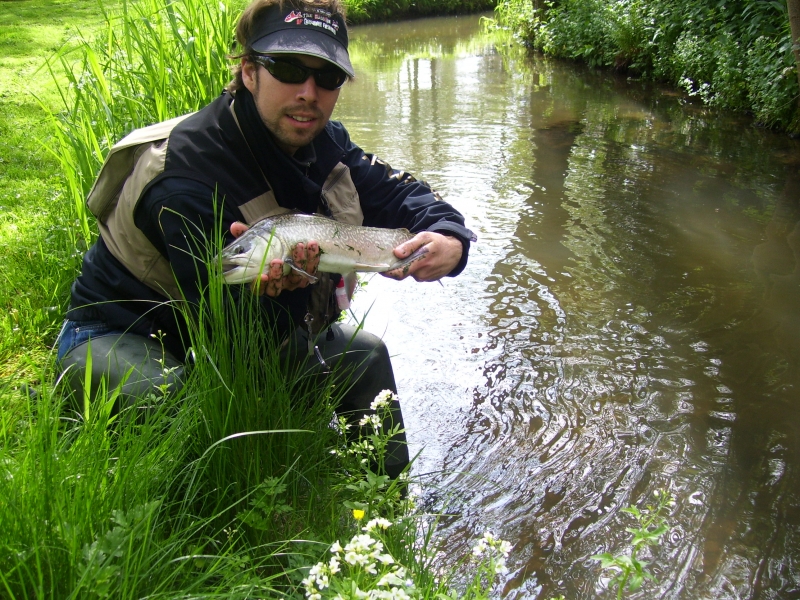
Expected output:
(606, 559)
(635, 582)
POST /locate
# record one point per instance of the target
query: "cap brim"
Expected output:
(305, 42)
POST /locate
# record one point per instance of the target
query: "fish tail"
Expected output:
(411, 258)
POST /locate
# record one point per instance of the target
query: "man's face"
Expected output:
(295, 113)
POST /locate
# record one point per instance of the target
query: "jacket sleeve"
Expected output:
(394, 198)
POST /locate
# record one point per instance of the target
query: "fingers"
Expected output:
(442, 255)
(238, 228)
(304, 256)
(275, 282)
(405, 250)
(312, 257)
(409, 269)
(271, 282)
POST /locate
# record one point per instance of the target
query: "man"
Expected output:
(264, 146)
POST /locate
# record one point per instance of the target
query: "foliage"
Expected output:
(629, 570)
(149, 502)
(362, 569)
(362, 11)
(227, 489)
(519, 16)
(154, 499)
(734, 55)
(156, 60)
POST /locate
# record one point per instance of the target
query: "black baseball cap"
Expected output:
(293, 30)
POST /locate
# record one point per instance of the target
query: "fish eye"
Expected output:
(239, 249)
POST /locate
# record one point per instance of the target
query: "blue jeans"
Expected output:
(111, 358)
(76, 332)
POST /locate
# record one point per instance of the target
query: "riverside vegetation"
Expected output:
(362, 11)
(233, 487)
(225, 489)
(732, 55)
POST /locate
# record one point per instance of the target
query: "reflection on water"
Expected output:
(629, 320)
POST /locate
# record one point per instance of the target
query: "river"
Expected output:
(629, 320)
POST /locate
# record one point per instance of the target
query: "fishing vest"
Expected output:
(139, 159)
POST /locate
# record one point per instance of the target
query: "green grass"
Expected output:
(30, 31)
(231, 488)
(38, 261)
(228, 488)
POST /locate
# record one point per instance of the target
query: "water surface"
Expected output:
(629, 319)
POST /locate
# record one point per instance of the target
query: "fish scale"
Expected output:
(344, 248)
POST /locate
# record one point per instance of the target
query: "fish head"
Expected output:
(248, 256)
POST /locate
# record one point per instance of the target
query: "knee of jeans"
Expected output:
(74, 333)
(137, 366)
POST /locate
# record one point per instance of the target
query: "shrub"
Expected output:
(734, 55)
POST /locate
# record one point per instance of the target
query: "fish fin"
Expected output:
(350, 282)
(290, 263)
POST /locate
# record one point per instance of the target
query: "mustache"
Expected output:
(304, 109)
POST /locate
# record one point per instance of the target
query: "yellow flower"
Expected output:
(358, 514)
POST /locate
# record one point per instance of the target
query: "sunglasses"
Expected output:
(286, 71)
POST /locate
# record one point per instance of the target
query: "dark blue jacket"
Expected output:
(210, 171)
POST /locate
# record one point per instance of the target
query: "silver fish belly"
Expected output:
(344, 248)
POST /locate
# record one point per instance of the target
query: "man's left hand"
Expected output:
(273, 282)
(443, 254)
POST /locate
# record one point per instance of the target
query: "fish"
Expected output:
(343, 248)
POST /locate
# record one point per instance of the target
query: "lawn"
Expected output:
(36, 267)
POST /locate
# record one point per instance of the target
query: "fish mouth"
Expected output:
(239, 258)
(233, 273)
(228, 266)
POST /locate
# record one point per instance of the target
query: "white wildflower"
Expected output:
(495, 550)
(378, 522)
(390, 594)
(333, 565)
(393, 578)
(500, 566)
(373, 420)
(362, 543)
(383, 400)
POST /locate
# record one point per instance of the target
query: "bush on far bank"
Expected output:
(366, 11)
(733, 55)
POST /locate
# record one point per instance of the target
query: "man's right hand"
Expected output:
(273, 282)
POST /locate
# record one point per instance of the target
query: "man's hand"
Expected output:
(443, 254)
(273, 282)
